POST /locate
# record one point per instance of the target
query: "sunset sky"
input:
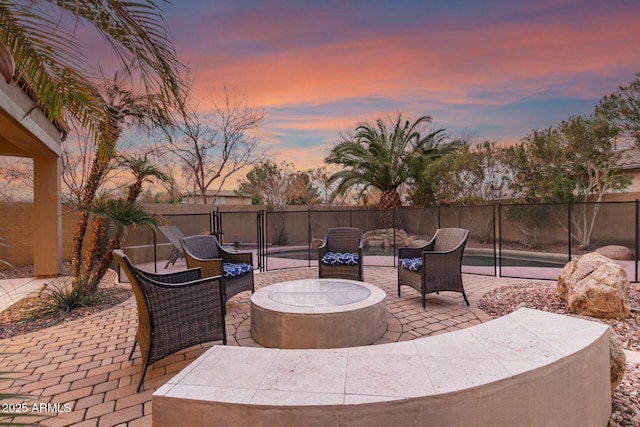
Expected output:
(496, 69)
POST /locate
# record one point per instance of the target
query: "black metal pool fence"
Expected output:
(531, 241)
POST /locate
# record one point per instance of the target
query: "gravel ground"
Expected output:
(544, 296)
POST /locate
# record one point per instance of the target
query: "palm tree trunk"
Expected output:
(389, 201)
(92, 251)
(105, 262)
(98, 169)
(134, 191)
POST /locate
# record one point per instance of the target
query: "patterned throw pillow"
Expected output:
(232, 270)
(336, 258)
(413, 264)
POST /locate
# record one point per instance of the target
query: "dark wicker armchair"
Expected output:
(175, 311)
(236, 269)
(435, 267)
(340, 256)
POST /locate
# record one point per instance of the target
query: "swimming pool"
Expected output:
(473, 257)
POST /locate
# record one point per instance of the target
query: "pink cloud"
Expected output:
(459, 66)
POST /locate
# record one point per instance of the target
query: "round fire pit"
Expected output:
(318, 313)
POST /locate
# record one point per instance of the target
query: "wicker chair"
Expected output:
(175, 311)
(173, 234)
(335, 256)
(435, 267)
(236, 269)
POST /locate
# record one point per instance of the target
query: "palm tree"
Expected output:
(382, 156)
(50, 62)
(123, 108)
(122, 215)
(142, 172)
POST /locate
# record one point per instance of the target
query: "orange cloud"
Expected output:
(317, 69)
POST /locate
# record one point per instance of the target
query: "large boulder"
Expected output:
(618, 362)
(593, 285)
(615, 252)
(385, 237)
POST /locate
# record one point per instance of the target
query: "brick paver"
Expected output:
(81, 368)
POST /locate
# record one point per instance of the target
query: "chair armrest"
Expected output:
(188, 275)
(208, 267)
(460, 248)
(410, 252)
(236, 257)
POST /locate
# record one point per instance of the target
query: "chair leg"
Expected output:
(133, 349)
(145, 364)
(144, 372)
(464, 295)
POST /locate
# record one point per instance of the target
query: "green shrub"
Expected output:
(63, 298)
(282, 238)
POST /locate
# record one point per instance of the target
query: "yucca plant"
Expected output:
(63, 298)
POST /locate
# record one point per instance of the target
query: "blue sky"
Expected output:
(496, 69)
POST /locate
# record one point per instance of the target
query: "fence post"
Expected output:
(495, 207)
(569, 228)
(499, 260)
(637, 245)
(155, 252)
(309, 237)
(261, 239)
(395, 251)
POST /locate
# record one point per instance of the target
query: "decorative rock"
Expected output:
(409, 240)
(593, 285)
(384, 237)
(418, 243)
(615, 252)
(618, 362)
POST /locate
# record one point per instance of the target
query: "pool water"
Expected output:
(471, 260)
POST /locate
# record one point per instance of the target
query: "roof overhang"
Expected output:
(25, 131)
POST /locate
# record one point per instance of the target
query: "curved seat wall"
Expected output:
(530, 368)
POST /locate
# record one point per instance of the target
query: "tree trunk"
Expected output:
(92, 251)
(98, 169)
(389, 202)
(105, 262)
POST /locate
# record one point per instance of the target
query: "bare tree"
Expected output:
(213, 147)
(16, 178)
(77, 156)
(268, 183)
(171, 193)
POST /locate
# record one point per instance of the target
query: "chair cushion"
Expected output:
(413, 264)
(232, 270)
(337, 258)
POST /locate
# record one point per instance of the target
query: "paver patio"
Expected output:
(83, 365)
